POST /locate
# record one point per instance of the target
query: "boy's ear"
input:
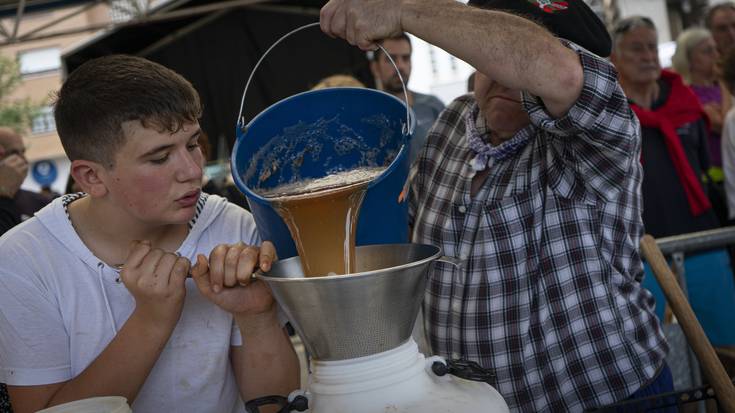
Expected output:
(88, 175)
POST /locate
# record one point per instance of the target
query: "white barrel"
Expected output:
(109, 404)
(398, 380)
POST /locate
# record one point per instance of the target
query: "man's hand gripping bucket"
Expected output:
(321, 132)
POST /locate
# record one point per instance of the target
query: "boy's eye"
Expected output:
(193, 146)
(160, 160)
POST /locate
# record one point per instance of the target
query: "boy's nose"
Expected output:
(191, 169)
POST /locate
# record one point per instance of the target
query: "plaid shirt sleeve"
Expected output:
(600, 132)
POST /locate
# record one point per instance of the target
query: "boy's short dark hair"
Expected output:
(103, 93)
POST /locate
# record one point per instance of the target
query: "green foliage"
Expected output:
(14, 113)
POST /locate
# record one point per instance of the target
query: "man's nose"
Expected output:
(403, 65)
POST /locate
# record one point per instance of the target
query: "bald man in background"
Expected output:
(16, 204)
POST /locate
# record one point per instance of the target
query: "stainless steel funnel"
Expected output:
(347, 316)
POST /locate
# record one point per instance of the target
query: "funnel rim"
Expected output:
(239, 182)
(437, 254)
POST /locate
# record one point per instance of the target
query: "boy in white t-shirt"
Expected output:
(94, 294)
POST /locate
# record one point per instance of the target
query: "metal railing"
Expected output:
(677, 247)
(697, 241)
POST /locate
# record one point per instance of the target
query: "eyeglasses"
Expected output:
(623, 26)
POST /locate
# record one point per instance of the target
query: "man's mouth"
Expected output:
(503, 98)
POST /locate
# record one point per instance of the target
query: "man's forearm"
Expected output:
(509, 49)
(122, 368)
(266, 363)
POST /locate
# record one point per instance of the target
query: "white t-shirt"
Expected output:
(60, 306)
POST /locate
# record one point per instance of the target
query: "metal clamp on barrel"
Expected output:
(241, 120)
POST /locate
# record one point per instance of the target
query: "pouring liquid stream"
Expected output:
(321, 216)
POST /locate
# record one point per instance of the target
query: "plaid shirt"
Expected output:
(550, 298)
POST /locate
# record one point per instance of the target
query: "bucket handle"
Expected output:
(241, 120)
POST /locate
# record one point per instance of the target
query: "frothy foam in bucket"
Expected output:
(333, 146)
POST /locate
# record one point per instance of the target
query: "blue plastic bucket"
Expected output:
(313, 134)
(317, 133)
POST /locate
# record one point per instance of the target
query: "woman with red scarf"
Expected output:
(675, 131)
(675, 156)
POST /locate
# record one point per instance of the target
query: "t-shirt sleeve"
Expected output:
(34, 345)
(599, 137)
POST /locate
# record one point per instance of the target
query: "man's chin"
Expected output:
(394, 87)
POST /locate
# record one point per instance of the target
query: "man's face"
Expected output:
(636, 56)
(157, 175)
(723, 29)
(500, 106)
(11, 144)
(383, 70)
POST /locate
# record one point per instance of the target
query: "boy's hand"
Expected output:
(156, 280)
(233, 266)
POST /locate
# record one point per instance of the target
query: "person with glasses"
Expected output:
(532, 182)
(675, 151)
(675, 155)
(16, 204)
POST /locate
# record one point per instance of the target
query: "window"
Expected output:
(39, 60)
(44, 121)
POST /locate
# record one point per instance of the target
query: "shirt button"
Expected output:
(456, 306)
(455, 355)
(462, 209)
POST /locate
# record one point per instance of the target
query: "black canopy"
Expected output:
(217, 50)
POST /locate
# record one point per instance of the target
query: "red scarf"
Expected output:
(681, 107)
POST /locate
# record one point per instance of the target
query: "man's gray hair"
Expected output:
(627, 24)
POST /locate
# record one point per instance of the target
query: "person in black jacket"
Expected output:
(13, 170)
(16, 204)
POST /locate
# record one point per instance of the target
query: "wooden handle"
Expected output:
(713, 369)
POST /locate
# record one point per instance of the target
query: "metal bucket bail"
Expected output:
(407, 128)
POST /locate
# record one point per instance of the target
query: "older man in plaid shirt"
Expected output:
(534, 183)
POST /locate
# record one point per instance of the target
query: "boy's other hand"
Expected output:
(156, 280)
(226, 278)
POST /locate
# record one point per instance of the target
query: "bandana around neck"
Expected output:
(477, 131)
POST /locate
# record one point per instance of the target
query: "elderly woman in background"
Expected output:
(696, 60)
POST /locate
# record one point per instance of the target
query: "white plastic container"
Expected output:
(398, 380)
(109, 404)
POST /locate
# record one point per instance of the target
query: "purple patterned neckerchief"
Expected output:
(476, 130)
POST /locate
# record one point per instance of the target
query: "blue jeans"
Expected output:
(663, 383)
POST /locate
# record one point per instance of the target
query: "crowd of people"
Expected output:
(574, 142)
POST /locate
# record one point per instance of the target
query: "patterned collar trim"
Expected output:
(69, 198)
(477, 132)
